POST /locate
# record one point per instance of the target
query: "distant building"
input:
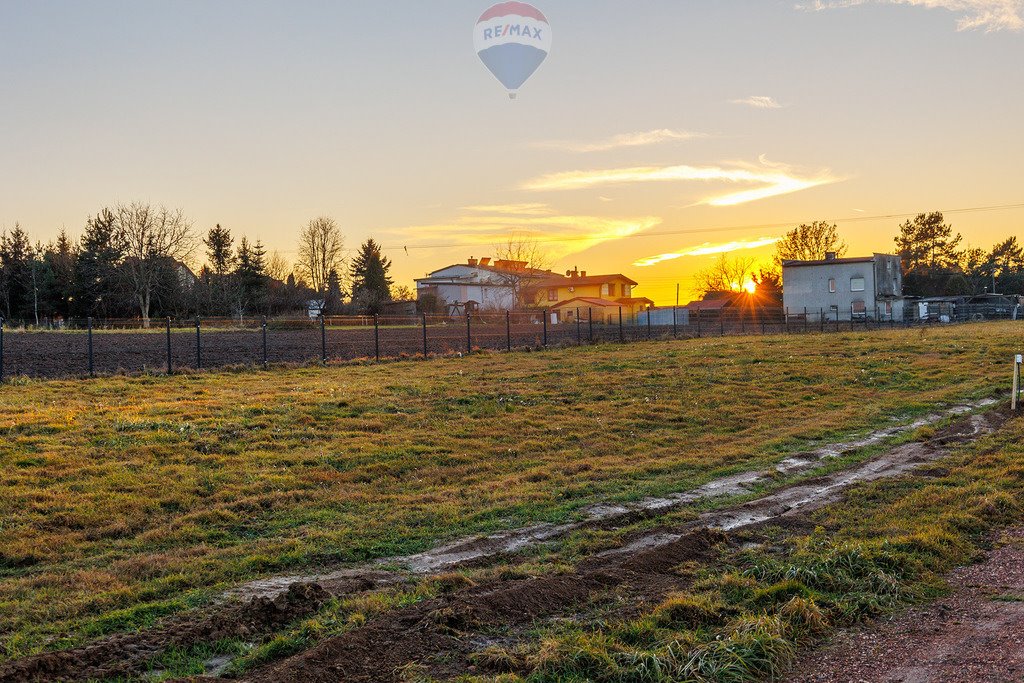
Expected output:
(845, 288)
(479, 284)
(599, 295)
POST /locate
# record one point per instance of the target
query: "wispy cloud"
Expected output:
(770, 180)
(641, 139)
(990, 15)
(706, 249)
(562, 234)
(759, 102)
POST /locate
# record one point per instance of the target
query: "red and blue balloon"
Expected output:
(512, 39)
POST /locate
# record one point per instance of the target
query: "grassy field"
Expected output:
(126, 499)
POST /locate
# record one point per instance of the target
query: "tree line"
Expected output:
(138, 261)
(935, 262)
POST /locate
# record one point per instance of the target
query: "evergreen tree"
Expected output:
(16, 271)
(931, 256)
(218, 243)
(371, 285)
(96, 282)
(61, 259)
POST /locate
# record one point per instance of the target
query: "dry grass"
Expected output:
(124, 499)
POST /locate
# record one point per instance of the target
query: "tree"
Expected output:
(218, 243)
(1007, 257)
(402, 293)
(156, 241)
(321, 252)
(768, 283)
(99, 255)
(278, 267)
(16, 273)
(61, 260)
(371, 286)
(726, 275)
(809, 242)
(927, 244)
(527, 263)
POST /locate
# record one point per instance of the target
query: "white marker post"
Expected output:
(1016, 381)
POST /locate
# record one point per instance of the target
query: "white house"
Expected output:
(844, 288)
(478, 284)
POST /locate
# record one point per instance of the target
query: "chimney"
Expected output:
(830, 256)
(583, 274)
(472, 262)
(485, 261)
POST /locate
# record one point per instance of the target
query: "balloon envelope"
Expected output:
(512, 39)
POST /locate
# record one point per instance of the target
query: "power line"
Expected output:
(728, 228)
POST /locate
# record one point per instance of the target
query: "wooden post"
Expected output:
(590, 324)
(545, 321)
(579, 332)
(508, 331)
(469, 335)
(622, 336)
(199, 347)
(675, 327)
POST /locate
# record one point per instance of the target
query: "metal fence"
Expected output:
(80, 348)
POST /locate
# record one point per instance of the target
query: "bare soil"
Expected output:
(976, 634)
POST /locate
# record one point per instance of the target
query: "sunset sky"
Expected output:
(657, 133)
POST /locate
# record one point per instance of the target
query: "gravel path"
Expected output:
(975, 635)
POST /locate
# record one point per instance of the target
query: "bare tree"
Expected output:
(726, 275)
(278, 267)
(156, 243)
(809, 242)
(526, 264)
(321, 249)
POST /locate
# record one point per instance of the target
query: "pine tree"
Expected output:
(371, 285)
(96, 285)
(16, 257)
(218, 250)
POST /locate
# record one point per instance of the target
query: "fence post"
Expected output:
(508, 331)
(1, 349)
(376, 337)
(469, 335)
(88, 324)
(622, 336)
(821, 318)
(1016, 382)
(698, 324)
(170, 369)
(323, 339)
(805, 320)
(590, 324)
(648, 324)
(199, 347)
(675, 329)
(721, 320)
(762, 323)
(579, 332)
(545, 327)
(424, 336)
(787, 319)
(264, 325)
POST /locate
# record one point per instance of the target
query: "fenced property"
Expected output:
(81, 348)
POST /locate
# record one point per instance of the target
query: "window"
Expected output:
(832, 285)
(627, 290)
(859, 310)
(888, 308)
(611, 290)
(856, 284)
(604, 290)
(552, 295)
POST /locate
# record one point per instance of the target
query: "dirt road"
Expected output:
(976, 634)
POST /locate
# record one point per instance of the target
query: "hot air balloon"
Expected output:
(512, 39)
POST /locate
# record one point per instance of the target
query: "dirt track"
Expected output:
(974, 635)
(438, 634)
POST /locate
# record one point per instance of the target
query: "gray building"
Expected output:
(844, 288)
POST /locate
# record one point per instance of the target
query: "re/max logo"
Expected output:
(513, 30)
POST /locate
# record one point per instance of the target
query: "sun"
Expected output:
(750, 286)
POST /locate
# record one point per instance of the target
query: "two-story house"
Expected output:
(480, 284)
(598, 296)
(844, 288)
